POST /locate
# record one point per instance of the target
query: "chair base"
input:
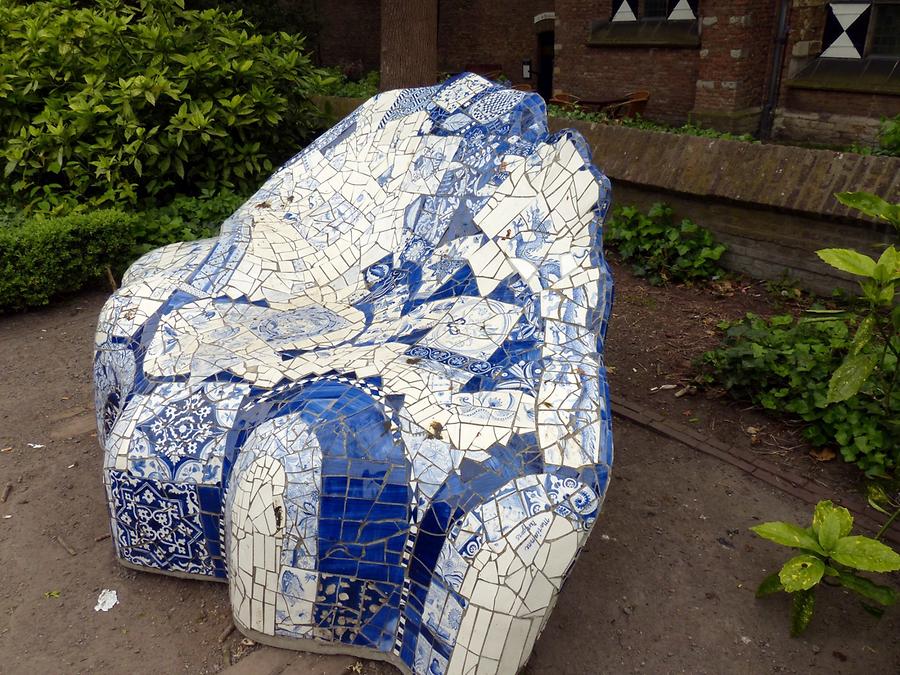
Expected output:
(321, 647)
(167, 573)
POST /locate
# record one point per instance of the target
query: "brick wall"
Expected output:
(721, 84)
(501, 32)
(348, 33)
(670, 75)
(735, 59)
(839, 118)
(821, 116)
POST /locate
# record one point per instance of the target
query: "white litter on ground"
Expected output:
(106, 600)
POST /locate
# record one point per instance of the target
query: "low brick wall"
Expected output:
(772, 205)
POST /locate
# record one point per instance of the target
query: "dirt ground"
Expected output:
(657, 332)
(664, 586)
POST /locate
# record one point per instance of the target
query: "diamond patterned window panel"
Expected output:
(846, 27)
(376, 404)
(672, 10)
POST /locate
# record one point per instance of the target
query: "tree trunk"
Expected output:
(408, 43)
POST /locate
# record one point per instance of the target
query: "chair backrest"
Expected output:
(402, 183)
(564, 99)
(631, 105)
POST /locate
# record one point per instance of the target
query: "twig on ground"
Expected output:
(774, 442)
(225, 633)
(6, 490)
(101, 537)
(69, 549)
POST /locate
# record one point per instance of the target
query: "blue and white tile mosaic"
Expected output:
(376, 404)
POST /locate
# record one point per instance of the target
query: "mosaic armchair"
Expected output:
(376, 404)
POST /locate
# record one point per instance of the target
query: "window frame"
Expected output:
(641, 16)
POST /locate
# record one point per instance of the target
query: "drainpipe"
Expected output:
(767, 118)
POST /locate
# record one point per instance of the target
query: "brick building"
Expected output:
(812, 70)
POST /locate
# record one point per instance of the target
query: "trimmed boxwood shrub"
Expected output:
(43, 257)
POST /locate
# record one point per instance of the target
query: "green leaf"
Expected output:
(848, 260)
(863, 334)
(878, 498)
(802, 606)
(877, 612)
(813, 315)
(788, 534)
(830, 523)
(871, 205)
(801, 572)
(888, 266)
(884, 595)
(850, 376)
(771, 584)
(890, 258)
(866, 554)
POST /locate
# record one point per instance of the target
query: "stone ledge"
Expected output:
(779, 177)
(671, 34)
(865, 76)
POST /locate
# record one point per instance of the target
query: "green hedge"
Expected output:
(43, 257)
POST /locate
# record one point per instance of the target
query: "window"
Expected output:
(855, 30)
(655, 9)
(648, 23)
(885, 30)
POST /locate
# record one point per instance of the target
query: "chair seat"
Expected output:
(376, 404)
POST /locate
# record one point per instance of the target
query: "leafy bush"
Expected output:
(183, 219)
(828, 550)
(9, 215)
(638, 122)
(267, 16)
(661, 250)
(336, 83)
(878, 280)
(128, 99)
(43, 257)
(786, 365)
(888, 144)
(889, 136)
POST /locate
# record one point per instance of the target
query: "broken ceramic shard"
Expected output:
(376, 404)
